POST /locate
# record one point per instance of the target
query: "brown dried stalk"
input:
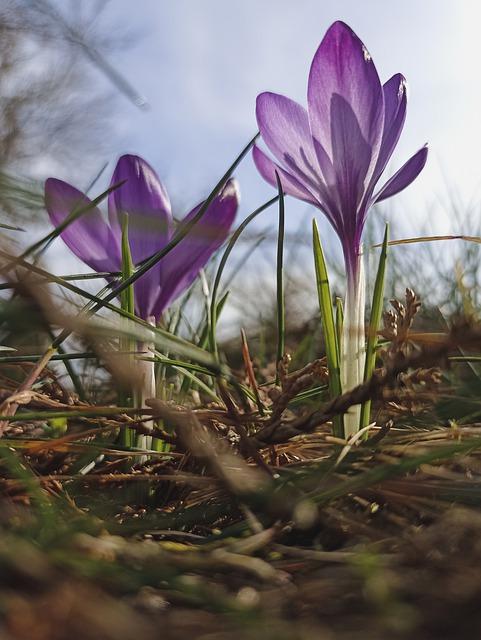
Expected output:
(429, 355)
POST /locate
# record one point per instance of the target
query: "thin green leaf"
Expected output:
(127, 296)
(10, 228)
(35, 356)
(163, 338)
(328, 325)
(223, 261)
(281, 311)
(309, 394)
(127, 303)
(339, 325)
(204, 341)
(375, 320)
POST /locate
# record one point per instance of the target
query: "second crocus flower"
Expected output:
(142, 197)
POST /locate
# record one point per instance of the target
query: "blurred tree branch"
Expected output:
(53, 111)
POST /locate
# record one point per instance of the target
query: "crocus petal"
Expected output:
(290, 185)
(343, 67)
(395, 100)
(182, 264)
(284, 127)
(403, 178)
(144, 199)
(89, 237)
(346, 113)
(147, 290)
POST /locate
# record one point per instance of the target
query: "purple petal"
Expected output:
(291, 185)
(284, 127)
(147, 290)
(394, 117)
(404, 176)
(144, 199)
(89, 237)
(345, 104)
(181, 266)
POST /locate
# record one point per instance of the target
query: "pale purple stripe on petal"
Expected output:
(290, 184)
(284, 127)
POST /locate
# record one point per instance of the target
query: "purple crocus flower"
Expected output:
(150, 227)
(332, 156)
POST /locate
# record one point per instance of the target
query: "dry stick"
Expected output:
(249, 367)
(75, 437)
(232, 470)
(459, 336)
(27, 383)
(245, 441)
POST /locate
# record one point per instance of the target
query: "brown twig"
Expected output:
(461, 335)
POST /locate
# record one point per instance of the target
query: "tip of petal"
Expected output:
(262, 100)
(337, 34)
(130, 157)
(136, 171)
(55, 189)
(54, 183)
(339, 27)
(423, 152)
(402, 84)
(131, 162)
(231, 190)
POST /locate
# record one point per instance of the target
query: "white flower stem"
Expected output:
(353, 350)
(147, 385)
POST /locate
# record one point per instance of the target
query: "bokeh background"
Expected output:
(176, 82)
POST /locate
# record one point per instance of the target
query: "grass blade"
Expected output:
(127, 303)
(281, 310)
(9, 227)
(376, 313)
(220, 270)
(127, 296)
(163, 338)
(328, 325)
(339, 325)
